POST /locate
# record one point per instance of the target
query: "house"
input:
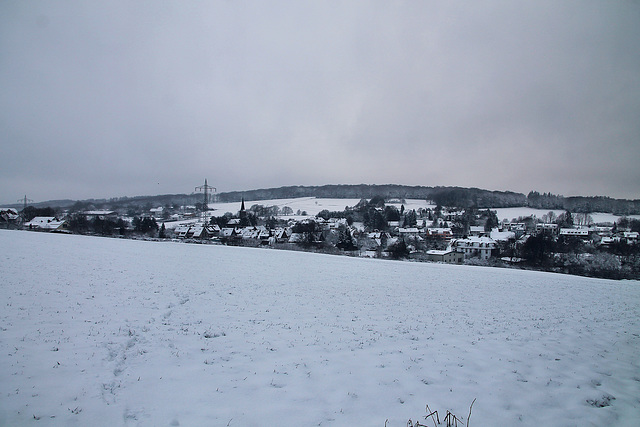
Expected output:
(471, 247)
(378, 240)
(9, 216)
(157, 212)
(449, 256)
(603, 230)
(453, 215)
(476, 230)
(609, 240)
(307, 237)
(182, 230)
(336, 223)
(502, 236)
(517, 226)
(265, 236)
(253, 232)
(408, 231)
(574, 232)
(547, 228)
(101, 214)
(630, 236)
(440, 232)
(282, 234)
(198, 231)
(228, 233)
(49, 223)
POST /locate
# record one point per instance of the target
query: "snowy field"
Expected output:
(310, 205)
(107, 332)
(513, 213)
(313, 205)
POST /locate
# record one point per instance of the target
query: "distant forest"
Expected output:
(443, 196)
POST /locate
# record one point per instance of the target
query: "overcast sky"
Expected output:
(104, 99)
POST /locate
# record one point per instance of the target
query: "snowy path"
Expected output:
(98, 331)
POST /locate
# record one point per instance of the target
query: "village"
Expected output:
(372, 228)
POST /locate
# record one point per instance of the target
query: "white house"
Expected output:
(574, 232)
(471, 247)
(449, 256)
(631, 236)
(49, 223)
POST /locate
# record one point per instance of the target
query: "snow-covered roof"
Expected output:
(99, 212)
(9, 214)
(408, 230)
(438, 230)
(475, 241)
(281, 233)
(227, 232)
(437, 252)
(502, 235)
(45, 222)
(196, 230)
(574, 231)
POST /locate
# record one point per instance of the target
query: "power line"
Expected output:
(25, 200)
(206, 188)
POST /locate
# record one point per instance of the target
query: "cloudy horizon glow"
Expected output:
(111, 99)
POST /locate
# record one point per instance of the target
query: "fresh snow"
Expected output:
(106, 332)
(313, 206)
(513, 213)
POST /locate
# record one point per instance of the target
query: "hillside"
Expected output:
(445, 196)
(125, 332)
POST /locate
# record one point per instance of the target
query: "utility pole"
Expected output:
(25, 200)
(206, 188)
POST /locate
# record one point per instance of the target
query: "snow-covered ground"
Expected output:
(106, 332)
(513, 213)
(310, 205)
(313, 205)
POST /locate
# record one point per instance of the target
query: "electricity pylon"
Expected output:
(206, 188)
(25, 200)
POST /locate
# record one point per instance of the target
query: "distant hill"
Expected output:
(445, 196)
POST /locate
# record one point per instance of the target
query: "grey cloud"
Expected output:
(120, 98)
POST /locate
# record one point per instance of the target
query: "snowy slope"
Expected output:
(513, 213)
(313, 205)
(97, 331)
